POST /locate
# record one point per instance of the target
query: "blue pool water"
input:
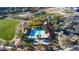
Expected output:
(43, 39)
(36, 30)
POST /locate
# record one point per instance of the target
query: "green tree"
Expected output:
(37, 21)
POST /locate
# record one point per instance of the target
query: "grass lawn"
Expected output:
(68, 12)
(27, 43)
(7, 28)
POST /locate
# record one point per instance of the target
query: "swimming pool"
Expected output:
(36, 31)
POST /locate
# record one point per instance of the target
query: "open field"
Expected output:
(7, 28)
